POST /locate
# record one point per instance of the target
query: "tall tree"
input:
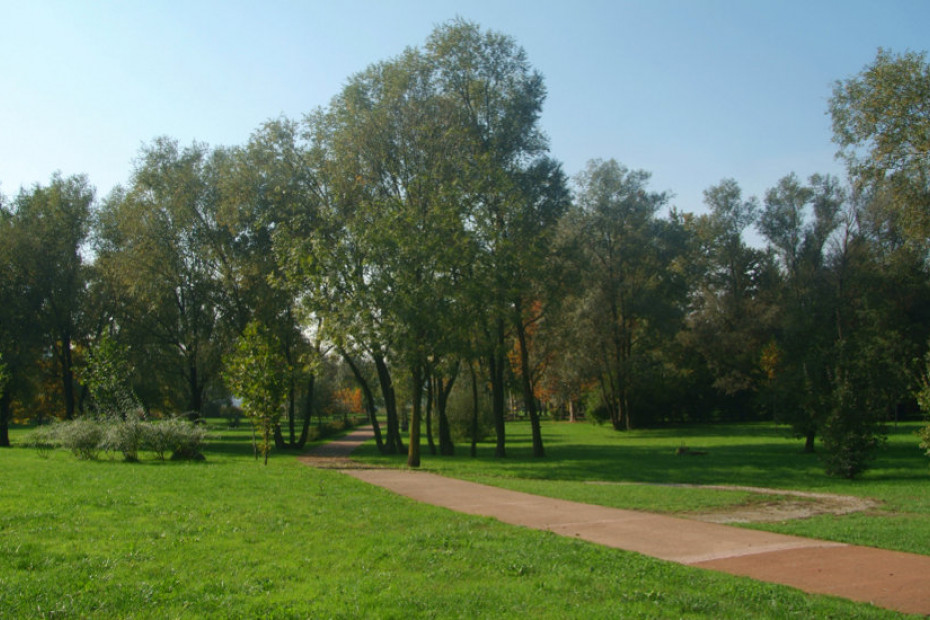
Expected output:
(881, 121)
(630, 288)
(732, 314)
(54, 222)
(261, 186)
(515, 193)
(797, 221)
(158, 245)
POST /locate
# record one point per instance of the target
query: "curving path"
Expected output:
(889, 579)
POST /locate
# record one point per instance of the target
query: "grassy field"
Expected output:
(760, 455)
(231, 538)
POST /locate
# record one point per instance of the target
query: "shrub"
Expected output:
(460, 411)
(44, 439)
(850, 434)
(181, 438)
(126, 436)
(594, 407)
(83, 436)
(86, 437)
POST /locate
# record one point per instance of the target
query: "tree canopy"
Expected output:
(418, 226)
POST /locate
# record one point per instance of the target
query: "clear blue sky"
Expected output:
(691, 90)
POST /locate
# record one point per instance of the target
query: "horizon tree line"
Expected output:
(417, 232)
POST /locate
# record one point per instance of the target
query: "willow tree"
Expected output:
(157, 251)
(881, 121)
(515, 194)
(396, 154)
(630, 290)
(265, 187)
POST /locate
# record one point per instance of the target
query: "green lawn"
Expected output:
(231, 538)
(761, 455)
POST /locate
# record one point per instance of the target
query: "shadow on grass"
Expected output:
(761, 455)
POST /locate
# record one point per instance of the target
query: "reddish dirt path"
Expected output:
(889, 579)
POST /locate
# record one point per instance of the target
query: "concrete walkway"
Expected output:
(889, 579)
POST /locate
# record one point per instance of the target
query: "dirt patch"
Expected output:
(782, 505)
(785, 505)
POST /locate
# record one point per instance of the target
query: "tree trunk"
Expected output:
(474, 412)
(369, 401)
(496, 367)
(429, 415)
(413, 454)
(308, 412)
(5, 419)
(67, 375)
(809, 442)
(529, 399)
(446, 446)
(291, 409)
(394, 443)
(196, 396)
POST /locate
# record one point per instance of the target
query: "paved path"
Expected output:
(890, 579)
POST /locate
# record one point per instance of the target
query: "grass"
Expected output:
(231, 538)
(761, 455)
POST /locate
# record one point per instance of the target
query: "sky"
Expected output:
(692, 91)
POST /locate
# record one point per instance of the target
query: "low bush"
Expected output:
(125, 436)
(86, 437)
(180, 438)
(83, 436)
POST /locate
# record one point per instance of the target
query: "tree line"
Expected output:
(417, 233)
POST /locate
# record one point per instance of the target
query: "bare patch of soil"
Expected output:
(782, 505)
(785, 505)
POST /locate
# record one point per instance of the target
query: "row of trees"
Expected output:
(417, 231)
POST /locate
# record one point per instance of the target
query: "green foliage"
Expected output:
(258, 374)
(849, 434)
(108, 376)
(594, 408)
(87, 437)
(126, 435)
(923, 401)
(924, 435)
(881, 120)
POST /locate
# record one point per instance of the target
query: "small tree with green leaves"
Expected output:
(258, 374)
(109, 378)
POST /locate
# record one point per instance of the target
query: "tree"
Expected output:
(159, 252)
(53, 222)
(263, 186)
(807, 326)
(515, 193)
(844, 349)
(881, 121)
(732, 316)
(108, 377)
(257, 373)
(630, 289)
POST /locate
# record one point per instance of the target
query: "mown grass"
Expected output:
(760, 455)
(231, 538)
